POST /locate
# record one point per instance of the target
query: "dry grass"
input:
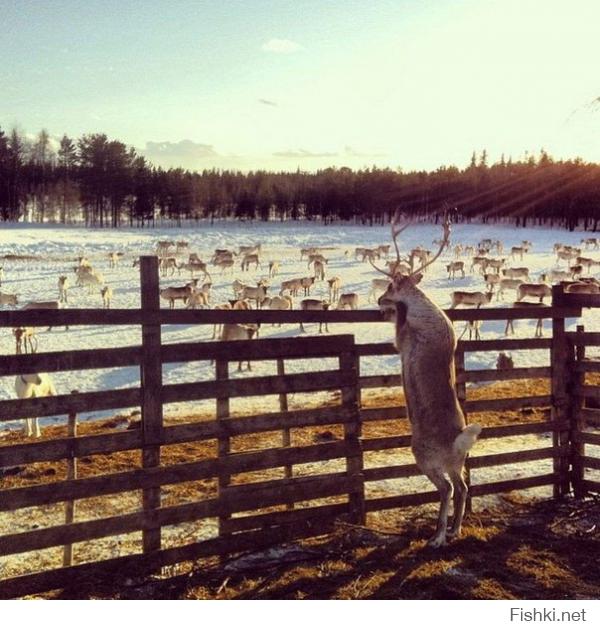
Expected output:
(519, 551)
(520, 548)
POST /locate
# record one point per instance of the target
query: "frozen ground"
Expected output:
(58, 247)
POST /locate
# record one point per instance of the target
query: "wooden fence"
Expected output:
(309, 486)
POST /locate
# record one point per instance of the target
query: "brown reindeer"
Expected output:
(425, 340)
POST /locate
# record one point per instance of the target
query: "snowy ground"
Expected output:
(58, 248)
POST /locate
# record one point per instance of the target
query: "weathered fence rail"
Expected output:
(286, 500)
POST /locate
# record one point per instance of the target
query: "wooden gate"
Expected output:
(256, 496)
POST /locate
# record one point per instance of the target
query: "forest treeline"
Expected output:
(104, 183)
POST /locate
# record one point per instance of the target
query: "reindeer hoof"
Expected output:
(437, 541)
(452, 534)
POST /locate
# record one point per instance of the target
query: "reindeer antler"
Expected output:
(443, 244)
(387, 273)
(396, 230)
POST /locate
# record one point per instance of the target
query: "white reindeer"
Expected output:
(250, 259)
(378, 286)
(516, 273)
(492, 280)
(51, 305)
(591, 243)
(539, 326)
(106, 292)
(166, 264)
(249, 249)
(384, 250)
(171, 294)
(224, 264)
(163, 248)
(334, 284)
(508, 284)
(536, 290)
(257, 293)
(198, 298)
(63, 285)
(495, 264)
(114, 258)
(8, 299)
(239, 332)
(194, 266)
(583, 288)
(24, 336)
(33, 386)
(555, 275)
(91, 279)
(293, 286)
(313, 258)
(472, 298)
(518, 251)
(274, 268)
(307, 283)
(347, 300)
(453, 267)
(277, 303)
(587, 262)
(236, 305)
(319, 269)
(310, 304)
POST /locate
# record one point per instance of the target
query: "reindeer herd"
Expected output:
(499, 270)
(247, 277)
(500, 276)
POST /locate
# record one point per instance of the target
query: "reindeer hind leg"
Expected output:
(459, 501)
(445, 488)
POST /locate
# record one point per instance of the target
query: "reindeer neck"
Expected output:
(425, 323)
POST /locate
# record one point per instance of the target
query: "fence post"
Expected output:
(224, 441)
(352, 432)
(288, 470)
(577, 422)
(461, 394)
(71, 474)
(560, 362)
(151, 379)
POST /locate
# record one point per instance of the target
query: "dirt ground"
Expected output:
(516, 547)
(530, 550)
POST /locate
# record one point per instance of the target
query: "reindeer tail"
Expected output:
(466, 439)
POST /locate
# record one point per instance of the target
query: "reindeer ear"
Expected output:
(416, 278)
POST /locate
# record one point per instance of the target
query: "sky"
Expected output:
(281, 85)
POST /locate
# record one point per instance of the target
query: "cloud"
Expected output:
(265, 101)
(347, 152)
(185, 149)
(350, 152)
(281, 46)
(301, 153)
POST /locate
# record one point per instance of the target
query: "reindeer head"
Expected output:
(403, 288)
(32, 379)
(394, 301)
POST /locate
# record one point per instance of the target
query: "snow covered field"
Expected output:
(58, 248)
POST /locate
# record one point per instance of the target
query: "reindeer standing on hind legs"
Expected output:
(426, 343)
